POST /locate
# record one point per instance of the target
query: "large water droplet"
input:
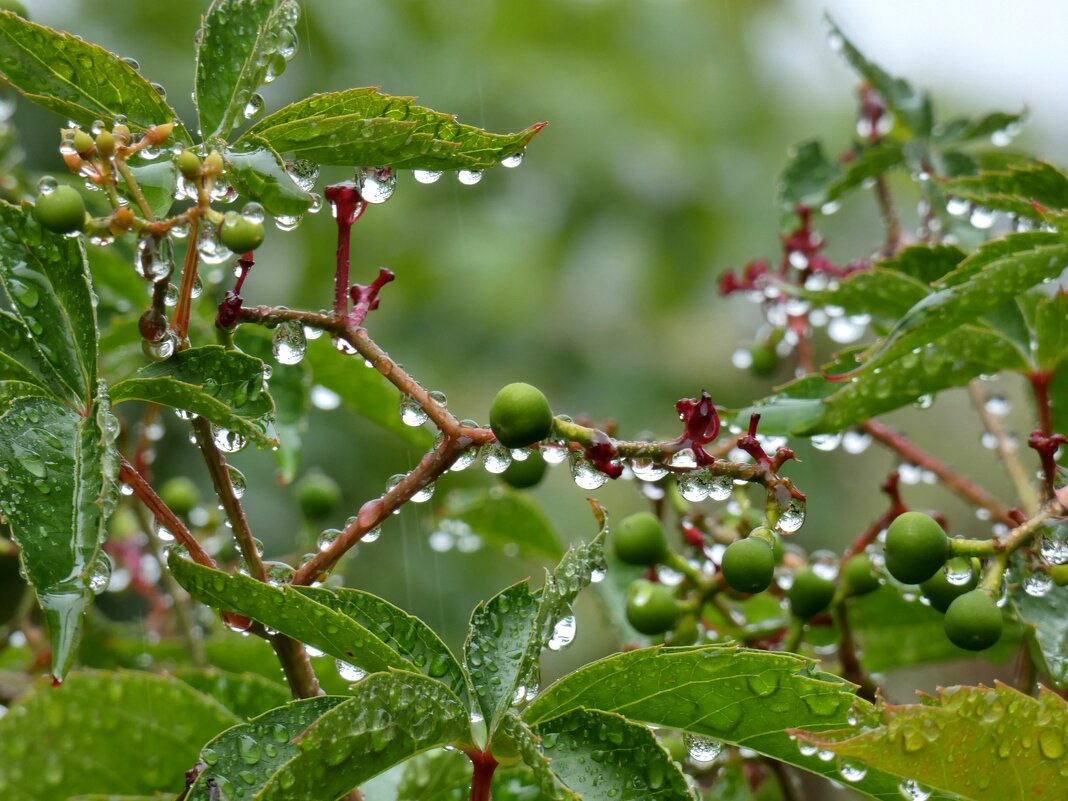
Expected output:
(376, 184)
(584, 474)
(792, 517)
(469, 177)
(349, 672)
(702, 750)
(411, 413)
(289, 343)
(426, 176)
(495, 457)
(227, 441)
(911, 790)
(254, 106)
(100, 574)
(563, 633)
(647, 469)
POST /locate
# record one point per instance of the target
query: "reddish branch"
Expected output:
(483, 765)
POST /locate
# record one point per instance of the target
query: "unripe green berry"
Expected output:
(180, 494)
(213, 163)
(82, 141)
(520, 416)
(318, 495)
(62, 210)
(526, 473)
(240, 234)
(773, 539)
(748, 565)
(651, 609)
(859, 576)
(916, 547)
(188, 164)
(639, 539)
(941, 592)
(810, 594)
(973, 621)
(1059, 574)
(105, 144)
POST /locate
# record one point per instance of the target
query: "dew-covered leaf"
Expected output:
(1046, 317)
(522, 740)
(1015, 190)
(389, 718)
(258, 173)
(223, 386)
(972, 742)
(605, 757)
(77, 80)
(125, 733)
(365, 391)
(241, 41)
(289, 386)
(21, 360)
(435, 776)
(814, 404)
(46, 278)
(966, 130)
(244, 694)
(807, 175)
(58, 471)
(242, 759)
(925, 263)
(1046, 619)
(883, 293)
(503, 517)
(303, 614)
(367, 128)
(892, 632)
(735, 695)
(913, 108)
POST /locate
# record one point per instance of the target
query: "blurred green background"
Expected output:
(591, 270)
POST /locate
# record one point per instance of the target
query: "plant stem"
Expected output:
(1006, 450)
(483, 765)
(794, 635)
(189, 277)
(134, 188)
(847, 656)
(957, 483)
(296, 665)
(164, 515)
(889, 216)
(1040, 388)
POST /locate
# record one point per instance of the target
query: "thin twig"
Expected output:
(1006, 450)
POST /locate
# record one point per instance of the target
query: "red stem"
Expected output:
(482, 776)
(348, 206)
(1040, 387)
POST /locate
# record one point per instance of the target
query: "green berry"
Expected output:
(973, 621)
(810, 594)
(941, 592)
(773, 539)
(651, 609)
(639, 540)
(240, 234)
(859, 576)
(180, 494)
(83, 142)
(105, 144)
(526, 473)
(520, 416)
(62, 210)
(916, 547)
(765, 359)
(188, 164)
(1059, 574)
(749, 564)
(318, 495)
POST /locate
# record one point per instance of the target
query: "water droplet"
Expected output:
(349, 672)
(469, 177)
(824, 564)
(327, 537)
(647, 469)
(227, 441)
(911, 790)
(100, 574)
(1051, 744)
(237, 481)
(1054, 545)
(161, 350)
(513, 160)
(376, 184)
(851, 771)
(910, 473)
(554, 451)
(424, 494)
(693, 486)
(1038, 584)
(441, 541)
(563, 633)
(845, 330)
(792, 517)
(720, 488)
(584, 474)
(426, 176)
(702, 750)
(411, 413)
(982, 218)
(249, 749)
(289, 343)
(286, 222)
(495, 457)
(254, 106)
(826, 442)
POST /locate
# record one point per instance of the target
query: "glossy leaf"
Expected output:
(965, 130)
(738, 696)
(807, 175)
(245, 694)
(239, 40)
(892, 632)
(973, 742)
(222, 386)
(58, 471)
(242, 759)
(503, 517)
(1046, 620)
(522, 740)
(911, 106)
(365, 391)
(605, 757)
(389, 718)
(291, 611)
(367, 128)
(47, 280)
(1016, 190)
(883, 293)
(126, 733)
(22, 360)
(925, 263)
(158, 181)
(259, 174)
(1048, 333)
(79, 81)
(435, 776)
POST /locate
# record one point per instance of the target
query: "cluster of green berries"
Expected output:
(918, 552)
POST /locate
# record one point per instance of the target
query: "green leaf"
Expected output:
(1046, 315)
(367, 392)
(966, 130)
(58, 470)
(973, 742)
(435, 776)
(366, 128)
(925, 263)
(46, 277)
(1046, 619)
(129, 733)
(504, 517)
(911, 107)
(21, 358)
(740, 696)
(391, 717)
(157, 180)
(259, 174)
(77, 80)
(290, 385)
(109, 797)
(604, 756)
(309, 616)
(222, 386)
(244, 694)
(241, 760)
(522, 740)
(893, 633)
(807, 175)
(1015, 190)
(814, 404)
(883, 293)
(241, 40)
